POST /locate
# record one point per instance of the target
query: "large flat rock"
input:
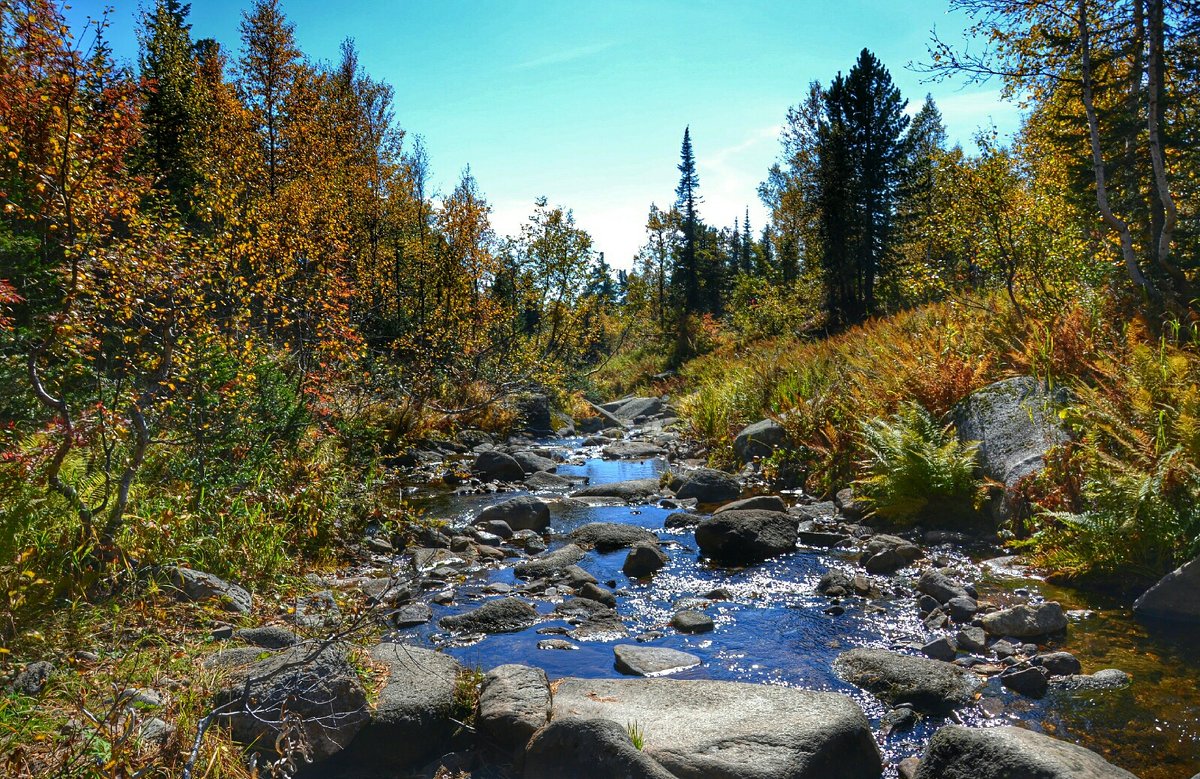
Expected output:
(1010, 753)
(631, 490)
(930, 685)
(1175, 597)
(730, 730)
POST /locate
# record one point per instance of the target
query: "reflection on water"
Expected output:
(773, 629)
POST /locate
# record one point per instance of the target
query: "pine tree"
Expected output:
(168, 66)
(747, 258)
(269, 67)
(685, 279)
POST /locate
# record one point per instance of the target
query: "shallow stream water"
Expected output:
(775, 630)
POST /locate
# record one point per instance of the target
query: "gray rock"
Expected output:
(637, 410)
(691, 621)
(822, 539)
(971, 639)
(643, 559)
(317, 611)
(1008, 752)
(759, 440)
(746, 537)
(764, 502)
(412, 615)
(908, 767)
(637, 660)
(155, 731)
(962, 609)
(32, 679)
(1028, 681)
(524, 512)
(728, 730)
(610, 536)
(496, 527)
(630, 491)
(547, 482)
(550, 563)
(1015, 422)
(593, 591)
(268, 637)
(882, 543)
(848, 504)
(200, 586)
(708, 485)
(939, 586)
(504, 615)
(492, 465)
(682, 519)
(632, 450)
(578, 576)
(942, 648)
(1174, 597)
(887, 561)
(1059, 663)
(588, 749)
(514, 702)
(930, 685)
(1101, 681)
(411, 720)
(322, 689)
(1026, 621)
(532, 463)
(235, 657)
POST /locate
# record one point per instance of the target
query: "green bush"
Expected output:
(917, 469)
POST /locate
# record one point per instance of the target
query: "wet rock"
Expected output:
(971, 639)
(556, 643)
(637, 660)
(525, 512)
(848, 504)
(821, 538)
(550, 563)
(496, 527)
(532, 463)
(1007, 752)
(411, 720)
(682, 519)
(610, 536)
(691, 621)
(708, 485)
(514, 701)
(593, 591)
(32, 679)
(412, 615)
(908, 767)
(194, 585)
(1173, 598)
(578, 576)
(1003, 649)
(492, 465)
(962, 609)
(505, 615)
(547, 482)
(643, 560)
(322, 690)
(927, 604)
(892, 552)
(1026, 621)
(929, 685)
(726, 729)
(942, 648)
(1059, 663)
(939, 586)
(268, 637)
(901, 718)
(1029, 681)
(887, 561)
(763, 502)
(759, 440)
(1101, 681)
(746, 537)
(633, 490)
(588, 748)
(632, 450)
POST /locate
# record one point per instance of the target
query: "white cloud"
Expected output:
(566, 55)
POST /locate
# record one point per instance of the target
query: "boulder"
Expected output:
(524, 512)
(708, 485)
(584, 748)
(759, 440)
(1026, 621)
(504, 615)
(638, 660)
(630, 491)
(514, 702)
(682, 519)
(1007, 752)
(320, 688)
(545, 482)
(550, 563)
(593, 591)
(764, 502)
(1059, 663)
(1015, 422)
(643, 560)
(1028, 681)
(411, 720)
(940, 586)
(1101, 681)
(268, 637)
(746, 537)
(728, 729)
(1174, 597)
(200, 586)
(411, 615)
(491, 465)
(532, 463)
(691, 621)
(632, 450)
(610, 536)
(637, 410)
(930, 685)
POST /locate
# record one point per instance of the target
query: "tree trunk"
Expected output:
(1157, 158)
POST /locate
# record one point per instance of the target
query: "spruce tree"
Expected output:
(686, 200)
(168, 67)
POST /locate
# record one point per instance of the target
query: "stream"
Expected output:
(774, 628)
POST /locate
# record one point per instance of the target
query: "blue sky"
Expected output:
(585, 102)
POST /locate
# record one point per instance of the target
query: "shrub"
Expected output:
(914, 467)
